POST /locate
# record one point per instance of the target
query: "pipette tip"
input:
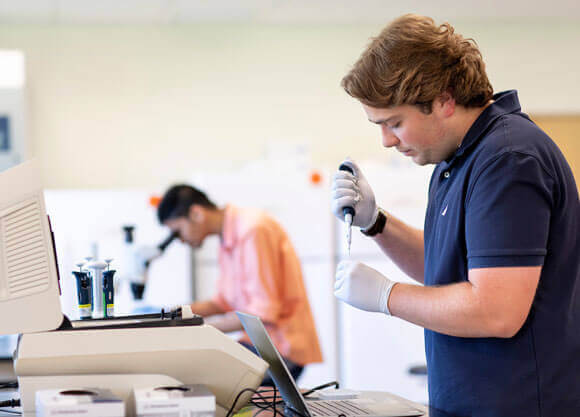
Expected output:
(348, 224)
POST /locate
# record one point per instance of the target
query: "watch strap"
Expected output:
(378, 226)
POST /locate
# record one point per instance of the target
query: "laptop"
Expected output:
(384, 405)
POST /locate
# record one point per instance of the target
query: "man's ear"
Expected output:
(197, 213)
(445, 104)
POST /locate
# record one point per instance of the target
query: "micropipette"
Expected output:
(347, 212)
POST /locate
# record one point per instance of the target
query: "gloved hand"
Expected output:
(362, 287)
(354, 191)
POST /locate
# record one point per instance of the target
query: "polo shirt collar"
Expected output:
(229, 235)
(505, 102)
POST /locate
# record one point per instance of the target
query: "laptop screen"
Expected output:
(278, 370)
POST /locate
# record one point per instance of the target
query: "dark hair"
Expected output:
(177, 201)
(413, 61)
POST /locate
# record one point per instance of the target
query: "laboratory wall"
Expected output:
(136, 105)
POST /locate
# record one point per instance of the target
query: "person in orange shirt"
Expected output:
(260, 272)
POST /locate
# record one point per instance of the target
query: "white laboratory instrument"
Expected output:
(117, 354)
(78, 402)
(97, 267)
(180, 400)
(127, 358)
(139, 258)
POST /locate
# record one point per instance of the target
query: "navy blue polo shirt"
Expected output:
(507, 197)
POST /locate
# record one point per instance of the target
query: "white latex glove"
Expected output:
(362, 287)
(354, 191)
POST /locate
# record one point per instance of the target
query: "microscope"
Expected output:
(139, 259)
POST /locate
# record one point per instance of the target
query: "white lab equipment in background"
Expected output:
(90, 223)
(13, 146)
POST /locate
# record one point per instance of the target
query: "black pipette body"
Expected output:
(347, 210)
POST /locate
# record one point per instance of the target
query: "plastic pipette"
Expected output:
(347, 212)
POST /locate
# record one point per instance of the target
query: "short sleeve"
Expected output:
(508, 208)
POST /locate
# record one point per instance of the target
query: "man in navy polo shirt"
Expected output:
(499, 254)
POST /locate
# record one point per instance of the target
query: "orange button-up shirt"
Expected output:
(260, 274)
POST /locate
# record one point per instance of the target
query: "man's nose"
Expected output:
(389, 139)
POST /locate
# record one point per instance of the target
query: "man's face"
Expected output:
(188, 230)
(415, 134)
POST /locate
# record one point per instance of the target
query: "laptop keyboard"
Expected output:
(336, 408)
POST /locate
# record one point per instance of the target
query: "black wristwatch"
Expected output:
(378, 226)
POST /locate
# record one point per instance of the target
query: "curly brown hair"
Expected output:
(413, 61)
